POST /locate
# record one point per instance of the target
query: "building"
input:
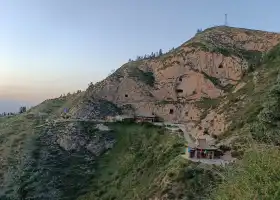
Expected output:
(202, 150)
(110, 118)
(137, 118)
(119, 118)
(145, 118)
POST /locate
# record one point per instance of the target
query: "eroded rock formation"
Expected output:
(208, 66)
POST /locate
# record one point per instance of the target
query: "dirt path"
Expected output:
(187, 136)
(80, 120)
(168, 125)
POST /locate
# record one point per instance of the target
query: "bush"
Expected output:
(256, 177)
(267, 127)
(146, 77)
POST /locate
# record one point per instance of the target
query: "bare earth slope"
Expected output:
(181, 86)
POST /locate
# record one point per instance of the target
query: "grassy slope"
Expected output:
(47, 171)
(146, 163)
(256, 176)
(54, 107)
(13, 132)
(16, 130)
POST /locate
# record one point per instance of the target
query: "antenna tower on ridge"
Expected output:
(226, 23)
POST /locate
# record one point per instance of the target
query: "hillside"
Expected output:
(224, 82)
(180, 86)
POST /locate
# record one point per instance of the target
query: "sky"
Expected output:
(51, 47)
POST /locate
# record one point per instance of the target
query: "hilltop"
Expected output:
(182, 85)
(224, 83)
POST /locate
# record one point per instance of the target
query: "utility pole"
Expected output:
(226, 23)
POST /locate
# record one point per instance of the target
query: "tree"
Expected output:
(199, 30)
(160, 52)
(22, 109)
(90, 84)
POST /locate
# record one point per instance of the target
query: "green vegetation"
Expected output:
(54, 107)
(256, 177)
(45, 170)
(214, 80)
(199, 45)
(14, 131)
(217, 82)
(206, 103)
(256, 122)
(257, 96)
(272, 56)
(51, 105)
(164, 102)
(146, 163)
(139, 156)
(266, 128)
(145, 77)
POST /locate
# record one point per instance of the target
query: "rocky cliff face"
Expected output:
(206, 67)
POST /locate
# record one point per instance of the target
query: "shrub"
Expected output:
(146, 77)
(267, 127)
(256, 177)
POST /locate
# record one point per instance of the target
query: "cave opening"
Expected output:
(179, 91)
(171, 111)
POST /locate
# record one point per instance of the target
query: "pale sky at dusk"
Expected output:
(50, 47)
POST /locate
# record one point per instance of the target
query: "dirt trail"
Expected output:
(168, 125)
(187, 136)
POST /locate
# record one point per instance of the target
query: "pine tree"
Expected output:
(21, 109)
(199, 31)
(160, 52)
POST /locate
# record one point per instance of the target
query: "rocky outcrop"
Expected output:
(80, 136)
(207, 66)
(58, 161)
(94, 108)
